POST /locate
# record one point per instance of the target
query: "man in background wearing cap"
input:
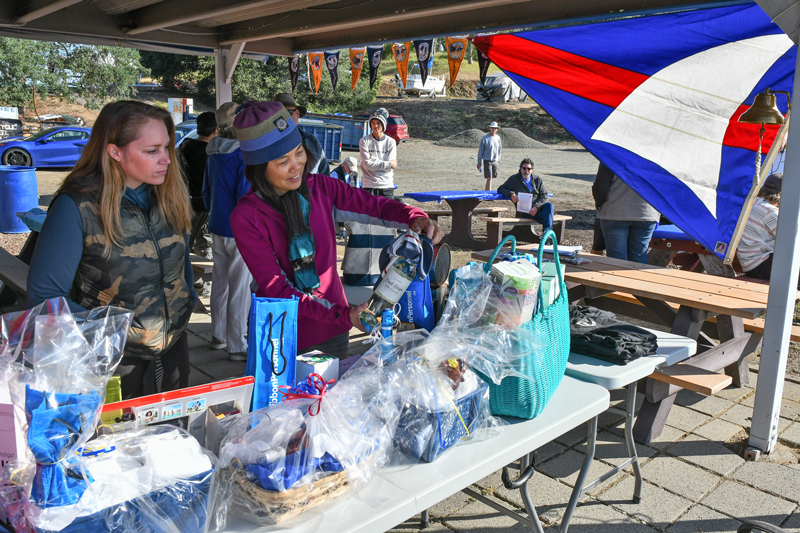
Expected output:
(378, 154)
(758, 239)
(192, 154)
(224, 184)
(489, 153)
(311, 143)
(347, 171)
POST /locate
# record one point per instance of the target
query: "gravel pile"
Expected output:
(512, 138)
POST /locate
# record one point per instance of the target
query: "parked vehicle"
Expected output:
(396, 128)
(434, 85)
(53, 147)
(500, 88)
(185, 130)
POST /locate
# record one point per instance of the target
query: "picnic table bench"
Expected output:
(494, 228)
(686, 302)
(14, 275)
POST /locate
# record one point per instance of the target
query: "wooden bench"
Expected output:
(201, 265)
(494, 228)
(434, 214)
(14, 275)
(692, 378)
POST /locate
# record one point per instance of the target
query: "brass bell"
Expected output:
(763, 111)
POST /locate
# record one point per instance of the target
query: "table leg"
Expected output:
(730, 327)
(580, 483)
(521, 484)
(424, 520)
(634, 457)
(461, 233)
(560, 229)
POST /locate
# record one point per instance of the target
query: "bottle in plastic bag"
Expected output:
(388, 292)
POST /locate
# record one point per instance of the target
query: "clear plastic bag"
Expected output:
(56, 366)
(156, 479)
(286, 459)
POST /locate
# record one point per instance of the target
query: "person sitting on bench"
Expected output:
(758, 239)
(526, 182)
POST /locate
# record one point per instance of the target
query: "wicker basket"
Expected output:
(545, 367)
(281, 506)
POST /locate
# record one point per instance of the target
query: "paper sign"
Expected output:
(525, 202)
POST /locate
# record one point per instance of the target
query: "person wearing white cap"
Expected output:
(489, 153)
(347, 171)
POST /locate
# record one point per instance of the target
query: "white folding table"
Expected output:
(671, 349)
(407, 491)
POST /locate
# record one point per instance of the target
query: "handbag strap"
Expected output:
(488, 266)
(550, 235)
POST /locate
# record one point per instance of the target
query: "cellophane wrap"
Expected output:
(283, 460)
(56, 365)
(157, 479)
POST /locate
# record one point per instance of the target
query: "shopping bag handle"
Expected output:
(550, 235)
(280, 344)
(488, 266)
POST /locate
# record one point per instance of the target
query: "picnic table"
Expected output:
(699, 306)
(399, 493)
(462, 204)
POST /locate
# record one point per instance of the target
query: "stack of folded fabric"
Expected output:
(599, 334)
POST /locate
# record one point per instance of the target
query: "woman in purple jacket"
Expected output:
(285, 228)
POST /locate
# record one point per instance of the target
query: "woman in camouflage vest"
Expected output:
(116, 234)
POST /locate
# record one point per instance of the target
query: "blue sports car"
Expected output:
(53, 147)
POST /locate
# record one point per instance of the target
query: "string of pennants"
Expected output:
(455, 46)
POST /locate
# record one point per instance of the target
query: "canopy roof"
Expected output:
(284, 27)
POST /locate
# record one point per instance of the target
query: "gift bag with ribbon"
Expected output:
(271, 347)
(416, 305)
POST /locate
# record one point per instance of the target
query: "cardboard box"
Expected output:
(219, 420)
(517, 285)
(317, 362)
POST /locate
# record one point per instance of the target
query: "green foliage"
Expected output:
(95, 73)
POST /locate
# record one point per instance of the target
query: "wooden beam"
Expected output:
(231, 60)
(173, 12)
(309, 22)
(43, 8)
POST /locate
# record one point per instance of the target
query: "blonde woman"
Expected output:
(116, 234)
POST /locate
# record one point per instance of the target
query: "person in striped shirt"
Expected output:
(758, 239)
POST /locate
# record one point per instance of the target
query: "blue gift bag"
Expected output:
(416, 305)
(271, 347)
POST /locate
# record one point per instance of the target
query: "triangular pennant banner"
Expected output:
(332, 61)
(375, 56)
(657, 100)
(294, 70)
(456, 48)
(483, 64)
(315, 60)
(424, 57)
(400, 53)
(356, 64)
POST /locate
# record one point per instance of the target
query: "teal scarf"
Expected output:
(301, 253)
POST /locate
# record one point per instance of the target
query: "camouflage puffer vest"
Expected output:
(145, 273)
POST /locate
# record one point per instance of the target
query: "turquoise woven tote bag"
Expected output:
(545, 366)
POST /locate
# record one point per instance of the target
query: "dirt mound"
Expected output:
(511, 137)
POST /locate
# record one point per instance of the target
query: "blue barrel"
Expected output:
(18, 193)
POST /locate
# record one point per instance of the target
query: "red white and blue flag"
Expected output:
(657, 98)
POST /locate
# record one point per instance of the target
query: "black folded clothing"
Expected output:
(600, 334)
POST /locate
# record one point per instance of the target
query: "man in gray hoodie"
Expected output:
(378, 157)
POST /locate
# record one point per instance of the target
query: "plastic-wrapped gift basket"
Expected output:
(57, 365)
(286, 459)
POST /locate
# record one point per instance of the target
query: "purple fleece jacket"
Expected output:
(260, 235)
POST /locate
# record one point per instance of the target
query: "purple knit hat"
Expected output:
(265, 132)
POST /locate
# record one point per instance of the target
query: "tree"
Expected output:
(94, 73)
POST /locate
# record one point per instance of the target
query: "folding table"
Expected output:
(398, 493)
(671, 349)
